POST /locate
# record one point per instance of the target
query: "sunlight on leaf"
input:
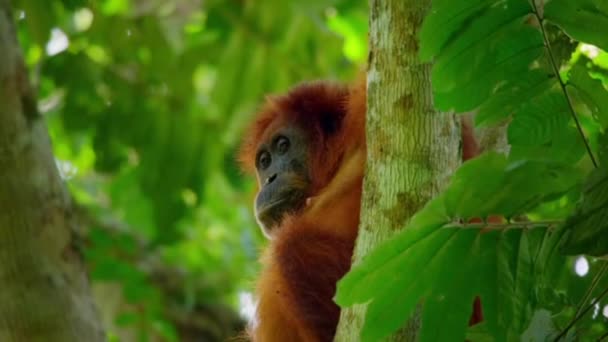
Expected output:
(113, 7)
(352, 27)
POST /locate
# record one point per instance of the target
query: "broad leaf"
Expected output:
(584, 20)
(445, 18)
(541, 327)
(589, 225)
(591, 91)
(452, 266)
(540, 120)
(507, 97)
(454, 293)
(493, 185)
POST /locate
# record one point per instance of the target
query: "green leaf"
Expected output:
(166, 330)
(127, 318)
(471, 54)
(591, 91)
(541, 327)
(464, 81)
(583, 20)
(133, 207)
(351, 289)
(452, 266)
(588, 227)
(565, 146)
(538, 121)
(484, 47)
(603, 148)
(472, 47)
(40, 17)
(74, 4)
(510, 275)
(506, 99)
(111, 269)
(466, 199)
(450, 304)
(493, 185)
(114, 7)
(541, 129)
(524, 280)
(398, 292)
(479, 333)
(445, 19)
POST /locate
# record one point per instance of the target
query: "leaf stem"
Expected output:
(504, 226)
(601, 338)
(594, 283)
(579, 316)
(561, 82)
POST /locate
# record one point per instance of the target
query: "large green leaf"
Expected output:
(422, 225)
(494, 185)
(452, 266)
(449, 282)
(541, 327)
(507, 97)
(537, 122)
(592, 92)
(398, 291)
(490, 184)
(490, 55)
(542, 129)
(565, 146)
(479, 48)
(603, 148)
(460, 55)
(446, 18)
(589, 225)
(584, 20)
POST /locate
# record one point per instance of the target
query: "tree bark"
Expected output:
(411, 148)
(45, 292)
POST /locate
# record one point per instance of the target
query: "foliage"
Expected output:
(145, 102)
(511, 61)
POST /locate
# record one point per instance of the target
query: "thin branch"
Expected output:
(581, 315)
(594, 283)
(561, 82)
(603, 337)
(504, 226)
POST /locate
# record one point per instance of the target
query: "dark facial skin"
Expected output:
(282, 175)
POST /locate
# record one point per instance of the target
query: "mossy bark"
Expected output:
(45, 292)
(412, 148)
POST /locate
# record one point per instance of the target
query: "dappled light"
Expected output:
(581, 266)
(58, 43)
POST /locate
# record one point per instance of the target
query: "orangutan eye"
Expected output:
(282, 144)
(264, 160)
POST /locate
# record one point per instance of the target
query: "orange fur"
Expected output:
(312, 249)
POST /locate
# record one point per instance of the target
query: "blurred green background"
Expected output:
(146, 102)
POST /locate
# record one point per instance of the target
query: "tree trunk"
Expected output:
(411, 148)
(45, 292)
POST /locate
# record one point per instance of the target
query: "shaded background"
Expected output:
(146, 102)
